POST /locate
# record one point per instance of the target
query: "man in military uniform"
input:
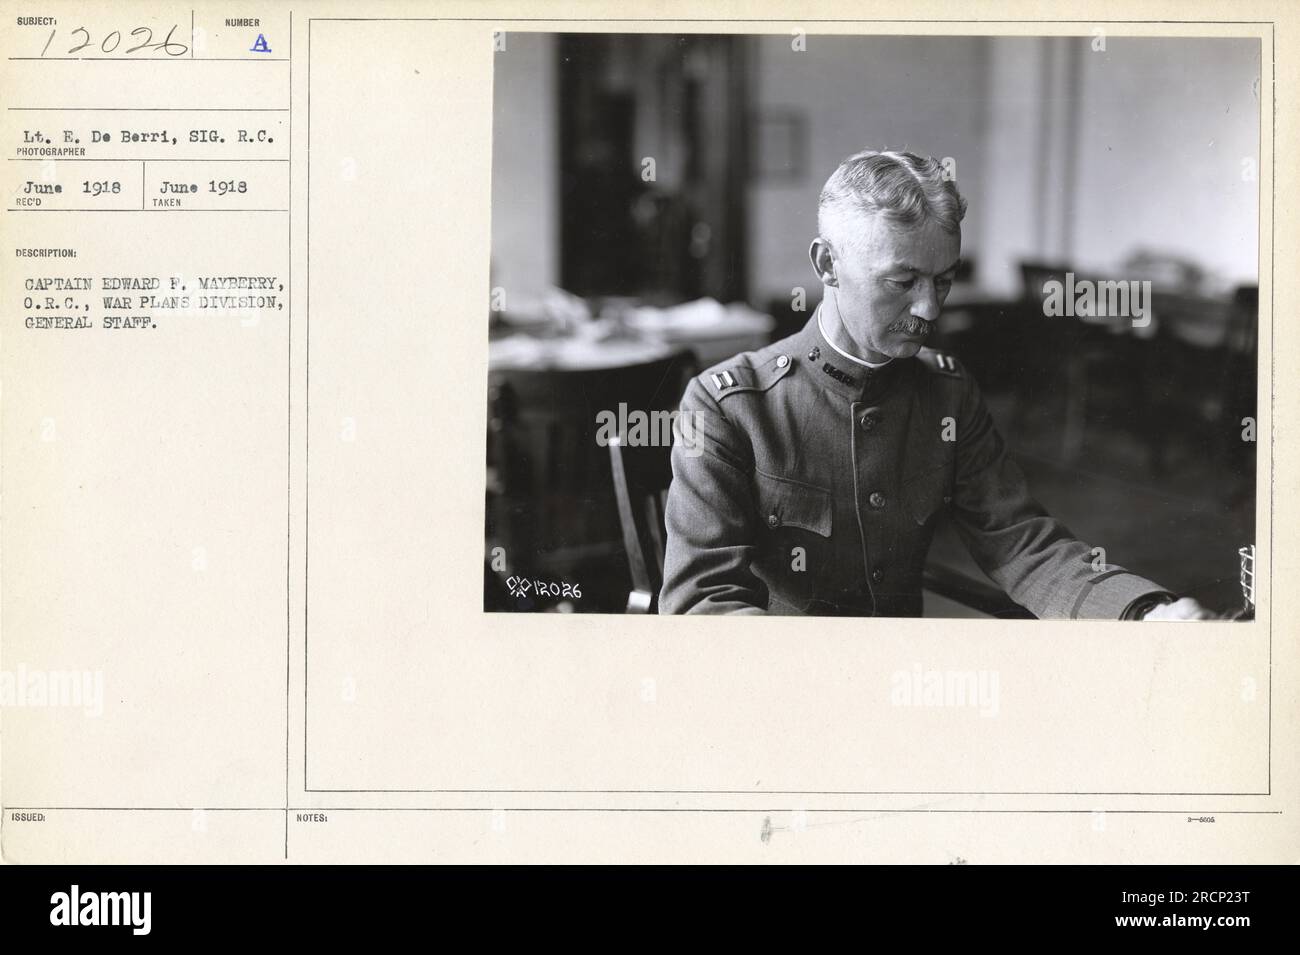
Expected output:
(819, 465)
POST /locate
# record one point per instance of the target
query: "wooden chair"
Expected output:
(641, 479)
(1093, 366)
(549, 503)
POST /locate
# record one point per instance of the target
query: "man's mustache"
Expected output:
(911, 326)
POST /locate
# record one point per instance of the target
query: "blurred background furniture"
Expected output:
(550, 501)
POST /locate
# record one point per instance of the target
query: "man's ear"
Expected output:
(823, 261)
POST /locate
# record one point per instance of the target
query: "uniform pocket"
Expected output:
(786, 503)
(928, 491)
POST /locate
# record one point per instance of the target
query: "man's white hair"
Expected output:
(901, 186)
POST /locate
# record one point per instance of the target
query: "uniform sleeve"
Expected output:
(710, 516)
(1029, 554)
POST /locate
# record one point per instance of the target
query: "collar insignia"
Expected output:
(838, 375)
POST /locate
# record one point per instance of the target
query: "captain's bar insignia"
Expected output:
(945, 362)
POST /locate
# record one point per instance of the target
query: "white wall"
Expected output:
(1165, 125)
(923, 94)
(1161, 127)
(525, 165)
(1023, 174)
(1156, 130)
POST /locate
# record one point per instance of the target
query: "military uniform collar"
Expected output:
(837, 373)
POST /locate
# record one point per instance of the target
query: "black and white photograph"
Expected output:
(966, 324)
(944, 326)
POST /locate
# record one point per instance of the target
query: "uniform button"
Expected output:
(782, 361)
(815, 354)
(773, 521)
(877, 575)
(876, 500)
(868, 421)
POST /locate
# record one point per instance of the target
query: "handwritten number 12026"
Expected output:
(113, 41)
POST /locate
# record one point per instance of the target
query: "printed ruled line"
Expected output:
(760, 792)
(165, 159)
(288, 474)
(675, 809)
(170, 59)
(152, 109)
(743, 20)
(157, 209)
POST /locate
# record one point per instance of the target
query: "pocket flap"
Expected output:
(786, 503)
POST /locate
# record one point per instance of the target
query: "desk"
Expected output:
(524, 352)
(551, 502)
(635, 336)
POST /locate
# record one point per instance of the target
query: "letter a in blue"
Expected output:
(260, 46)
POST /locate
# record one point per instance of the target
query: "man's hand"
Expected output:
(1183, 609)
